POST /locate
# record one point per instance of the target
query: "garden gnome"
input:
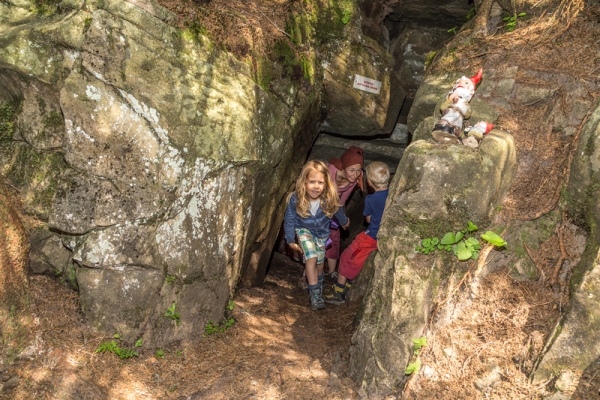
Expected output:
(455, 109)
(474, 134)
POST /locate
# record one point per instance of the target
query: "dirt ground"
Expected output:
(278, 347)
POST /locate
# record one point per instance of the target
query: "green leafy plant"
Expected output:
(159, 354)
(511, 22)
(452, 30)
(170, 278)
(230, 305)
(222, 326)
(171, 313)
(413, 367)
(418, 344)
(346, 15)
(471, 13)
(462, 243)
(139, 342)
(114, 347)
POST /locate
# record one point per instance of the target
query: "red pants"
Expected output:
(333, 252)
(354, 257)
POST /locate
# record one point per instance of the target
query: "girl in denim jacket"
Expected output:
(307, 218)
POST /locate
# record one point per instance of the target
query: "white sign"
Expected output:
(366, 84)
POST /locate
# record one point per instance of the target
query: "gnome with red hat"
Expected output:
(474, 134)
(455, 109)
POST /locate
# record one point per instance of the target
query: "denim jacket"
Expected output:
(318, 225)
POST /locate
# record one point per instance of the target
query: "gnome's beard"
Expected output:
(463, 92)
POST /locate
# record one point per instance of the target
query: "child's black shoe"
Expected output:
(316, 299)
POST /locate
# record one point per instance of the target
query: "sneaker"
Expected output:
(316, 300)
(337, 297)
(303, 283)
(333, 276)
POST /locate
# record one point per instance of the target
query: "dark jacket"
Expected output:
(318, 225)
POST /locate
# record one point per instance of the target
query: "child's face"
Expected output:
(314, 184)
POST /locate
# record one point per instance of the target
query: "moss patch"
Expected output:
(7, 116)
(38, 174)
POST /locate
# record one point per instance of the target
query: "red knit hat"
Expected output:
(354, 155)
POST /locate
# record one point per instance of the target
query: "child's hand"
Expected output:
(347, 224)
(295, 247)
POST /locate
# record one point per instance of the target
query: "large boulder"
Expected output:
(437, 189)
(158, 163)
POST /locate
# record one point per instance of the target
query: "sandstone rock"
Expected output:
(576, 342)
(438, 188)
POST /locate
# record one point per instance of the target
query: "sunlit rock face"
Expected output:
(160, 166)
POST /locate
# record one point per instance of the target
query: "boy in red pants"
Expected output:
(353, 258)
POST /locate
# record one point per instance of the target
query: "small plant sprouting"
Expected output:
(413, 367)
(171, 313)
(461, 243)
(346, 15)
(113, 347)
(230, 305)
(511, 22)
(139, 342)
(471, 13)
(159, 354)
(452, 30)
(170, 278)
(222, 326)
(418, 343)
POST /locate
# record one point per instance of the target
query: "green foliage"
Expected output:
(114, 347)
(511, 22)
(493, 238)
(170, 278)
(346, 15)
(221, 327)
(413, 367)
(159, 354)
(171, 313)
(418, 343)
(452, 30)
(429, 58)
(139, 342)
(462, 243)
(230, 305)
(471, 13)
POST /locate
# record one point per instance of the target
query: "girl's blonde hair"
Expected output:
(330, 201)
(379, 174)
